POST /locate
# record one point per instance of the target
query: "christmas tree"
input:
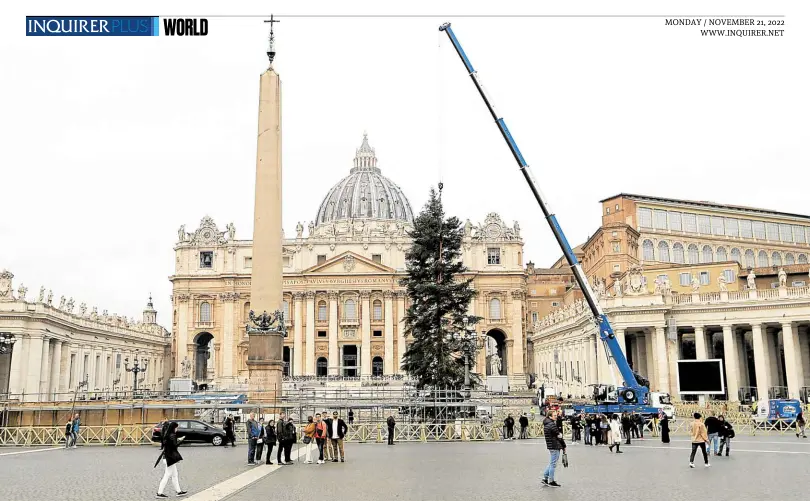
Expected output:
(439, 297)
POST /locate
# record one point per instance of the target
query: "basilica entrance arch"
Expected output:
(203, 342)
(496, 346)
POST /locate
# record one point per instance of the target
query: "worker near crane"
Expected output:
(627, 424)
(555, 445)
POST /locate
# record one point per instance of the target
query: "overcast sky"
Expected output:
(110, 144)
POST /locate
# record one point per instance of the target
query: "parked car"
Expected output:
(193, 431)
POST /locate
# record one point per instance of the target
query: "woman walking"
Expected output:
(309, 439)
(664, 428)
(699, 439)
(800, 425)
(603, 428)
(170, 457)
(615, 434)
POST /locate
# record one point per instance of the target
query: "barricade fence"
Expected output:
(462, 430)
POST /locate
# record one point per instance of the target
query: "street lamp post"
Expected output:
(137, 367)
(472, 343)
(7, 341)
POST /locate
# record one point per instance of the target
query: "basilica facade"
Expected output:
(343, 302)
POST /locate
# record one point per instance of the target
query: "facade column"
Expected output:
(400, 330)
(591, 357)
(518, 365)
(334, 355)
(183, 305)
(730, 353)
(761, 362)
(310, 334)
(19, 362)
(804, 344)
(641, 355)
(56, 365)
(365, 334)
(298, 339)
(44, 369)
(388, 365)
(225, 370)
(34, 359)
(649, 348)
(793, 360)
(660, 357)
(604, 374)
(620, 334)
(700, 344)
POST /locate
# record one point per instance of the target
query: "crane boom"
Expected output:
(633, 391)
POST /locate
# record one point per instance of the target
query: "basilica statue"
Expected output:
(495, 365)
(782, 278)
(299, 230)
(752, 280)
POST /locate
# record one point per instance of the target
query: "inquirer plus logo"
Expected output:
(98, 26)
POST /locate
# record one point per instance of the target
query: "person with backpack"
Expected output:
(726, 434)
(524, 425)
(170, 457)
(320, 436)
(713, 429)
(290, 437)
(69, 432)
(270, 439)
(509, 425)
(555, 445)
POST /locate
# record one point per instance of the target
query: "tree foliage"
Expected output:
(439, 297)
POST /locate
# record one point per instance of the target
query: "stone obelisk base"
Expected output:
(265, 369)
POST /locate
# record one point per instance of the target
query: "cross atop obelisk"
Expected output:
(271, 40)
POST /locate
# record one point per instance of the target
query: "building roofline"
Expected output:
(707, 204)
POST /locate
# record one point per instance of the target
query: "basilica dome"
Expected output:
(365, 194)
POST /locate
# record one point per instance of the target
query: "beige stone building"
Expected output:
(689, 280)
(57, 346)
(342, 299)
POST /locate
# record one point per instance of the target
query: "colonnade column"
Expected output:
(400, 329)
(793, 360)
(44, 371)
(334, 356)
(19, 362)
(310, 334)
(388, 365)
(761, 361)
(590, 356)
(730, 354)
(56, 365)
(661, 358)
(365, 334)
(701, 349)
(298, 333)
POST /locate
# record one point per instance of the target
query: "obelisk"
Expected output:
(265, 363)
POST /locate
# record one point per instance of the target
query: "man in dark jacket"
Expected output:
(713, 427)
(337, 430)
(555, 445)
(391, 423)
(230, 436)
(281, 435)
(290, 438)
(627, 424)
(524, 425)
(253, 438)
(726, 434)
(509, 423)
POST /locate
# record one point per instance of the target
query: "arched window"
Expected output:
(285, 307)
(321, 367)
(789, 259)
(802, 258)
(322, 314)
(350, 309)
(494, 309)
(735, 255)
(677, 253)
(377, 307)
(721, 254)
(205, 312)
(663, 251)
(749, 259)
(708, 254)
(762, 259)
(377, 367)
(693, 254)
(776, 259)
(647, 250)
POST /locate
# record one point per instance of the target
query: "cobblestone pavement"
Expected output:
(511, 471)
(760, 467)
(111, 473)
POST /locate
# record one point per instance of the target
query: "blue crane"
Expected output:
(634, 392)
